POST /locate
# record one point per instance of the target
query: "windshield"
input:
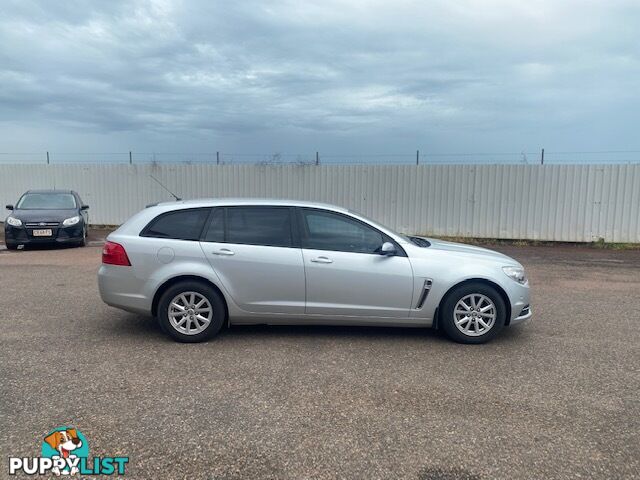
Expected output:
(47, 201)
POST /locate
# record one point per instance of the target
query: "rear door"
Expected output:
(346, 274)
(254, 253)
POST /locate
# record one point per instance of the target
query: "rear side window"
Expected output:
(179, 224)
(270, 226)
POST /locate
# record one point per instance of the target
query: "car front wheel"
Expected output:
(191, 312)
(473, 313)
(83, 242)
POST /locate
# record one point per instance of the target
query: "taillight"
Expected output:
(115, 254)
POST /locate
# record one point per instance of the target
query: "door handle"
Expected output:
(322, 260)
(223, 251)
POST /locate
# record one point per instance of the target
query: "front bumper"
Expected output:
(524, 316)
(519, 295)
(24, 235)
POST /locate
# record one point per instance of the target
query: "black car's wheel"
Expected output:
(12, 246)
(191, 311)
(83, 242)
(473, 313)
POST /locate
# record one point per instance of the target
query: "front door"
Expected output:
(346, 274)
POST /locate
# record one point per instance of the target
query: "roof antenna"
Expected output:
(160, 183)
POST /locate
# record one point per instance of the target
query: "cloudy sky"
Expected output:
(341, 77)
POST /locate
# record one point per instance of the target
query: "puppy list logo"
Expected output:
(65, 451)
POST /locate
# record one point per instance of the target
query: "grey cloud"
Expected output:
(341, 75)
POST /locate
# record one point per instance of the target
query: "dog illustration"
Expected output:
(65, 442)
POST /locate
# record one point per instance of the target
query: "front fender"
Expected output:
(445, 273)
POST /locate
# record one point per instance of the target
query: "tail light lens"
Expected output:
(115, 254)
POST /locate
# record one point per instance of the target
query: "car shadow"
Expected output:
(330, 331)
(133, 325)
(46, 246)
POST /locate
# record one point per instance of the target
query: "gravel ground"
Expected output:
(556, 398)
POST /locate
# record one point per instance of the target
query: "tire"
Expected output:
(478, 328)
(83, 242)
(12, 246)
(170, 318)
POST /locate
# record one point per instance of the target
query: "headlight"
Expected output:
(71, 221)
(515, 273)
(14, 221)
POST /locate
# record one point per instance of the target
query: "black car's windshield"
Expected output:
(47, 201)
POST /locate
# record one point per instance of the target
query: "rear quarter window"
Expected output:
(179, 225)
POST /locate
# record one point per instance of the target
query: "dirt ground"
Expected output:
(555, 398)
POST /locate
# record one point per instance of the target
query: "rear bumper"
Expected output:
(120, 288)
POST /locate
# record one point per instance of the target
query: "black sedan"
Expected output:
(47, 216)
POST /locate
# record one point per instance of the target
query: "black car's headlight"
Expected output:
(515, 273)
(14, 222)
(71, 221)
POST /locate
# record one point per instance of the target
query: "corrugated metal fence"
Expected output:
(579, 203)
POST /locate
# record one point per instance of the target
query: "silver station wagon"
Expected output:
(200, 265)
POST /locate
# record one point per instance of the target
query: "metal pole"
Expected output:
(417, 157)
(217, 158)
(130, 158)
(542, 157)
(317, 158)
(47, 158)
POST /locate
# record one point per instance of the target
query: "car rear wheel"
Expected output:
(191, 311)
(473, 313)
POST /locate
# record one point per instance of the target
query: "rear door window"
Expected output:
(215, 229)
(180, 224)
(269, 226)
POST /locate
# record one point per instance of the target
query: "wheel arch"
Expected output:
(186, 278)
(494, 285)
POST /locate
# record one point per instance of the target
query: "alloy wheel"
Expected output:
(190, 313)
(474, 314)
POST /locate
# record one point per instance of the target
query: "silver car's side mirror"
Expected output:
(388, 248)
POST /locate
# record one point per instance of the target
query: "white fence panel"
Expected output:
(579, 203)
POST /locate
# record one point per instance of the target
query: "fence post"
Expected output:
(542, 157)
(317, 158)
(417, 157)
(130, 158)
(47, 158)
(217, 158)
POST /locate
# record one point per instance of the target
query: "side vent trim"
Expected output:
(425, 292)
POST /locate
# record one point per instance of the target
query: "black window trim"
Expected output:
(207, 224)
(303, 231)
(293, 233)
(143, 232)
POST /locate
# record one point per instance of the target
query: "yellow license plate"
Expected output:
(42, 233)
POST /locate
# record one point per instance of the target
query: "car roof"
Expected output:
(49, 191)
(213, 202)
